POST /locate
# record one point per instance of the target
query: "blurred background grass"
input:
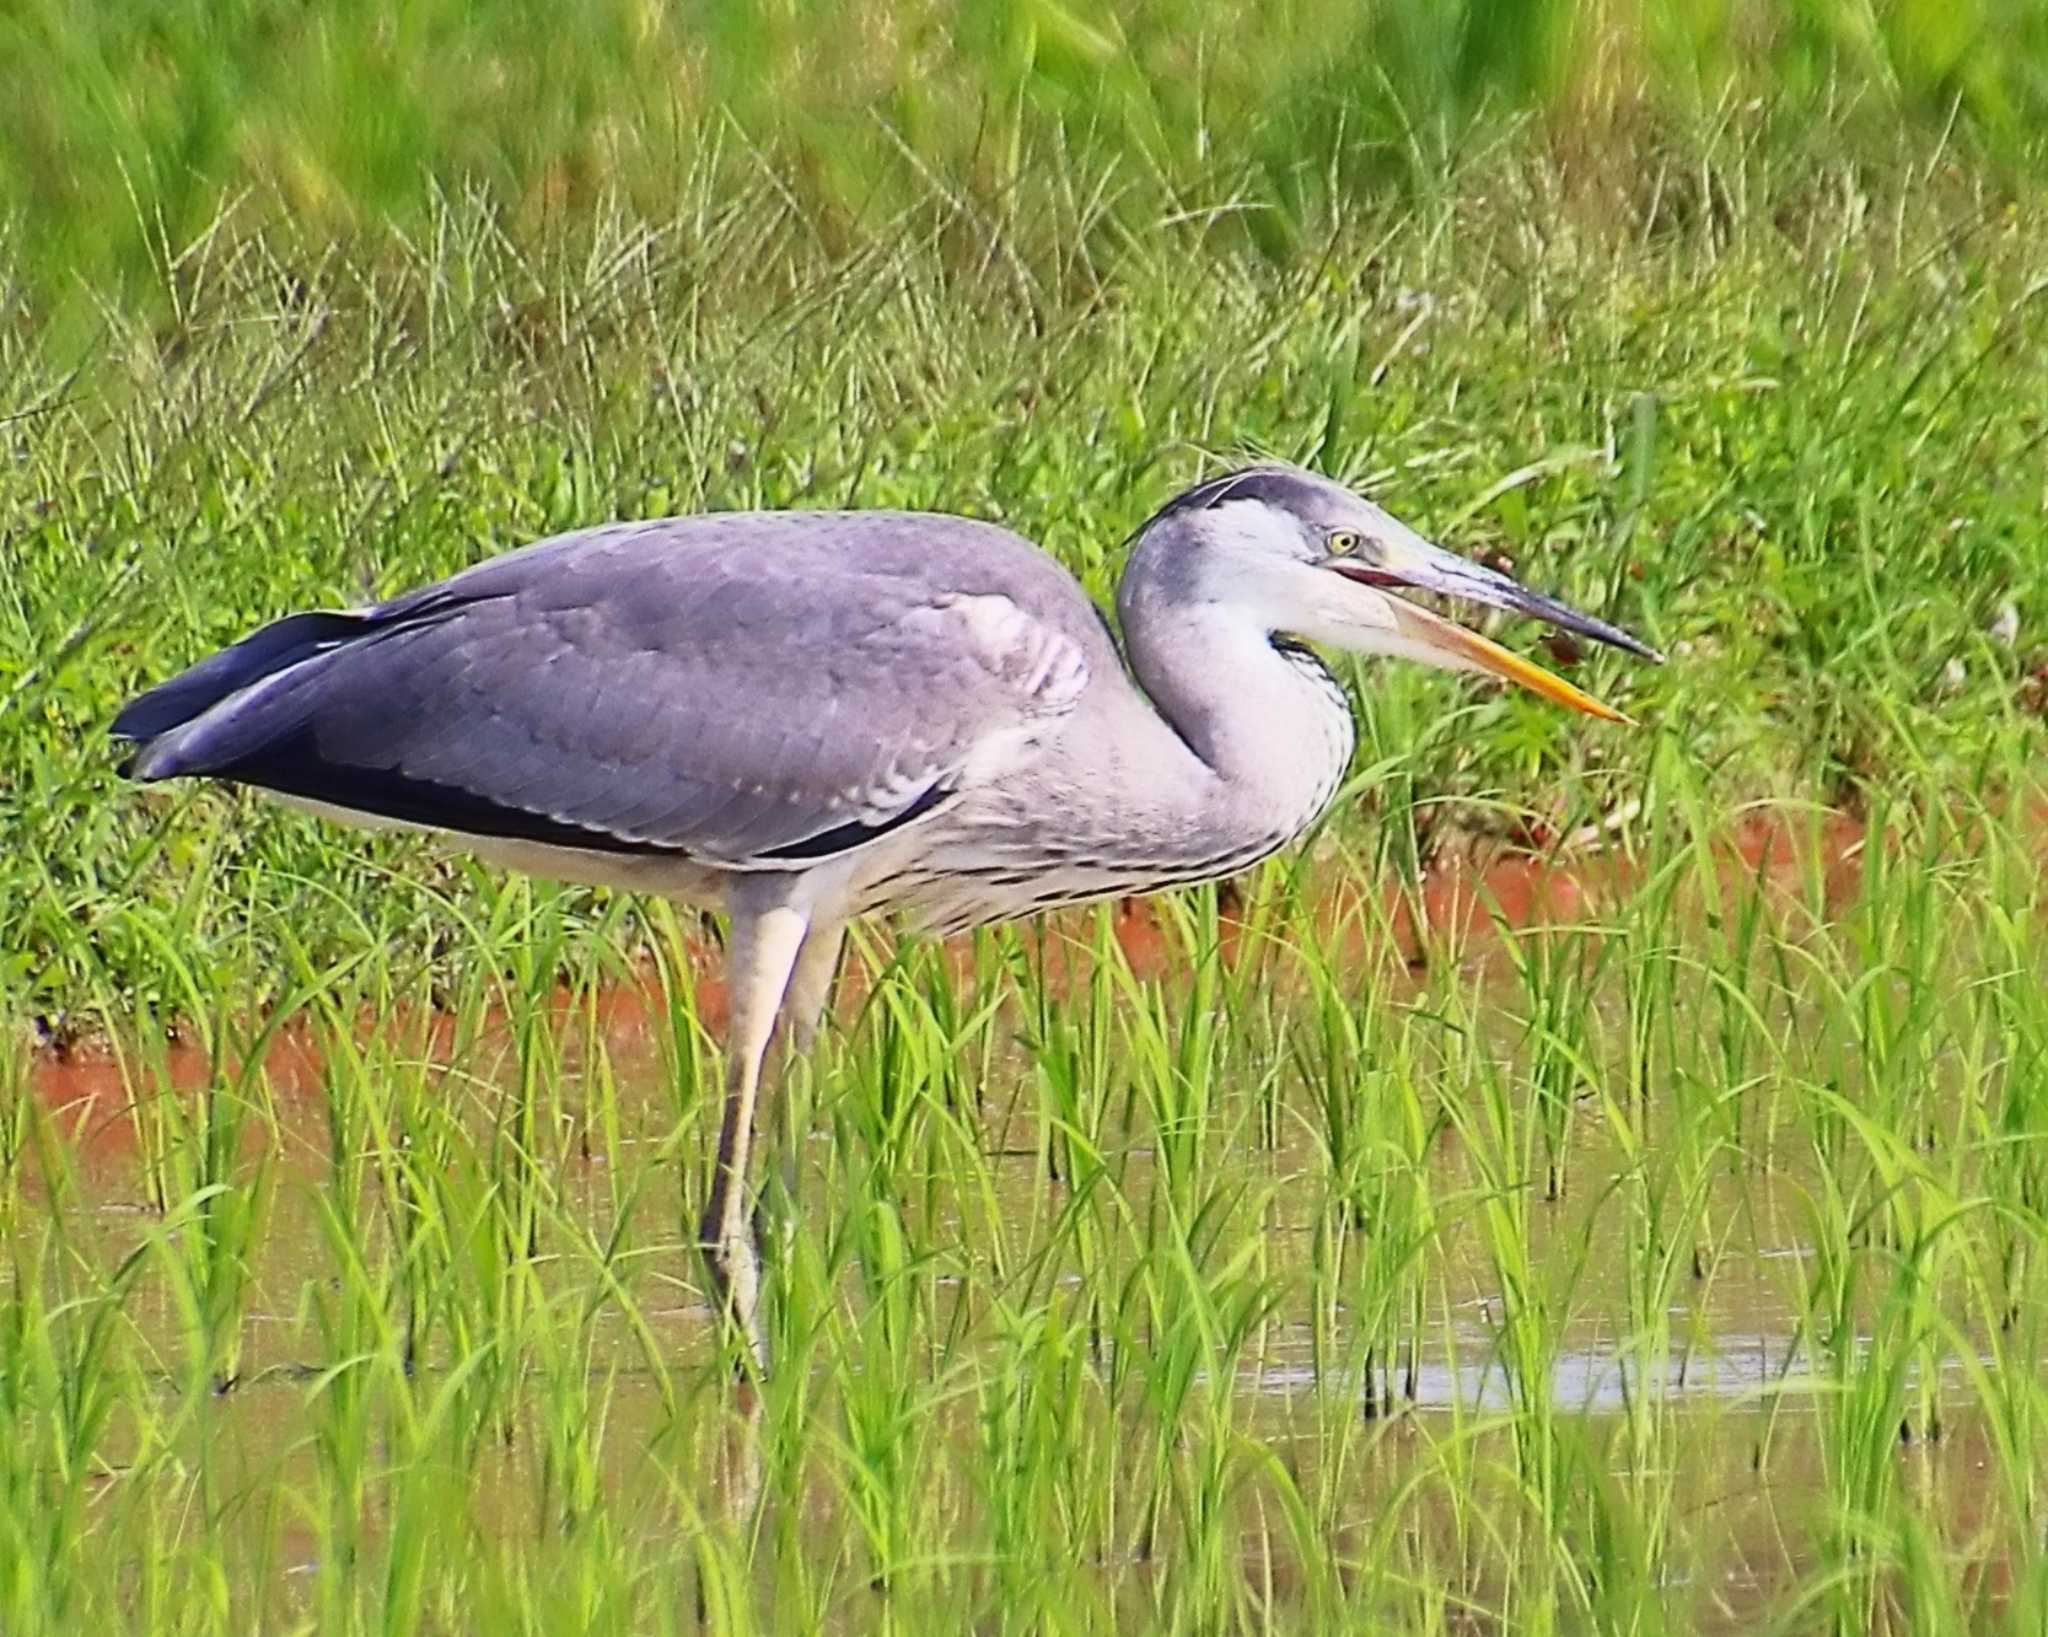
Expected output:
(134, 130)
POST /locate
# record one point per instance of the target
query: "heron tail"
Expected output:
(167, 724)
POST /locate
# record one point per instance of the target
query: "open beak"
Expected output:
(1413, 564)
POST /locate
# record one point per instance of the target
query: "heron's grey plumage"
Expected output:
(807, 717)
(743, 691)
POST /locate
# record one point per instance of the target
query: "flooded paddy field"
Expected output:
(1645, 1247)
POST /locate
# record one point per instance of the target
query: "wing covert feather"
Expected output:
(728, 693)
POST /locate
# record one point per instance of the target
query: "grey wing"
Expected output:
(746, 696)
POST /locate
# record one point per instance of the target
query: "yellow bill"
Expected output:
(1476, 653)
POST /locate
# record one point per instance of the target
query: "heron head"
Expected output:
(1311, 559)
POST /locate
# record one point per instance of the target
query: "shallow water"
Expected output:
(1717, 1398)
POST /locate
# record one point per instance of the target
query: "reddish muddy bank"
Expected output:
(1466, 899)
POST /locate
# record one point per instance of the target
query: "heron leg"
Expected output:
(810, 985)
(759, 959)
(804, 1010)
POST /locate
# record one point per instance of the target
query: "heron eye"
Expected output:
(1343, 543)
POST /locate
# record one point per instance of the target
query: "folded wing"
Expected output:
(721, 689)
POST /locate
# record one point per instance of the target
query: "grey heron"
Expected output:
(806, 717)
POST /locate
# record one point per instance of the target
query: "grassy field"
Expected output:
(1674, 1259)
(134, 131)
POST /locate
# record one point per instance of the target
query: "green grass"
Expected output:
(132, 131)
(1100, 1303)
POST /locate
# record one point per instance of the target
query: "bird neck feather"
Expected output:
(1267, 725)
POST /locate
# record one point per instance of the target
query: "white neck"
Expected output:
(1264, 735)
